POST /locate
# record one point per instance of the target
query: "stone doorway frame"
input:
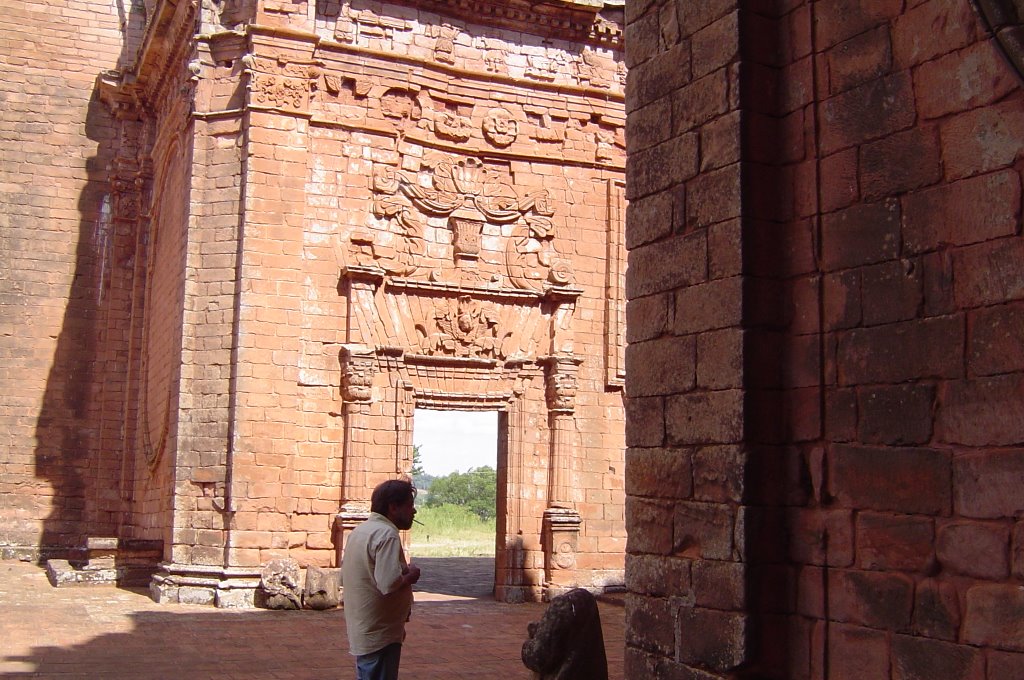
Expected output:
(386, 376)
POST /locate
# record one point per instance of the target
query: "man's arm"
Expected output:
(390, 574)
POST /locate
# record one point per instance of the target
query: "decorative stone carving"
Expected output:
(542, 67)
(561, 542)
(500, 127)
(531, 259)
(562, 384)
(278, 91)
(279, 581)
(567, 643)
(399, 103)
(355, 24)
(470, 195)
(358, 367)
(448, 125)
(465, 328)
(323, 588)
(444, 47)
(496, 61)
(594, 69)
(605, 142)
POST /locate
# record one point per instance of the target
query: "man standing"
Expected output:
(378, 581)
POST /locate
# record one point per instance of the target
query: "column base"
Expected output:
(222, 587)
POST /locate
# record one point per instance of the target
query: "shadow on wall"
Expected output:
(67, 429)
(84, 478)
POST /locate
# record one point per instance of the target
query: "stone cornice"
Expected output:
(575, 20)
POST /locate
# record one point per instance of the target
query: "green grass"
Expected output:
(451, 531)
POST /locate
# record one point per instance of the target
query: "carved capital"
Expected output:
(562, 383)
(358, 365)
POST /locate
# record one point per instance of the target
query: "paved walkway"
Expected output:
(110, 633)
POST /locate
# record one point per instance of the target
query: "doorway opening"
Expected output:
(455, 469)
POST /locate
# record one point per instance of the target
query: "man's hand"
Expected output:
(411, 574)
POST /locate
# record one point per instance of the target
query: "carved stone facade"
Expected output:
(344, 211)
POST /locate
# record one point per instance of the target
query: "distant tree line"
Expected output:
(475, 489)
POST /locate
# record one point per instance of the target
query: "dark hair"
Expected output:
(395, 491)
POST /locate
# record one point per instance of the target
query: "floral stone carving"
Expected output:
(464, 327)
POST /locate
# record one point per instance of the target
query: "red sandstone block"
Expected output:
(716, 45)
(983, 412)
(642, 37)
(649, 526)
(702, 101)
(892, 291)
(842, 299)
(988, 484)
(662, 166)
(974, 549)
(658, 75)
(865, 233)
(895, 414)
(720, 142)
(860, 59)
(705, 418)
(1005, 666)
(651, 217)
(720, 359)
(702, 530)
(1017, 548)
(668, 265)
(983, 139)
(724, 252)
(651, 624)
(911, 480)
(715, 639)
(922, 659)
(658, 576)
(667, 366)
(936, 610)
(708, 306)
(649, 125)
(932, 29)
(894, 542)
(718, 474)
(968, 211)
(996, 340)
(875, 599)
(837, 20)
(899, 163)
(719, 585)
(713, 197)
(870, 111)
(820, 537)
(695, 16)
(993, 616)
(989, 273)
(924, 348)
(969, 78)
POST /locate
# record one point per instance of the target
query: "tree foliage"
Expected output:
(475, 489)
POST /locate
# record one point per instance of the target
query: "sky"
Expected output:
(453, 441)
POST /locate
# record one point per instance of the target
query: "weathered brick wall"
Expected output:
(852, 509)
(58, 252)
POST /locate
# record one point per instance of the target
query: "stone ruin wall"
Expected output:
(57, 253)
(827, 485)
(257, 177)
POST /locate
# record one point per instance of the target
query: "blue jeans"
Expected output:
(379, 665)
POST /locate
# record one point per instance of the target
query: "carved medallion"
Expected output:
(464, 328)
(500, 127)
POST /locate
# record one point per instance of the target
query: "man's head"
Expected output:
(395, 500)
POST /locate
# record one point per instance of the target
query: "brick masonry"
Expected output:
(857, 372)
(252, 250)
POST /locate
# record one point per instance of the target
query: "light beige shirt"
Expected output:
(376, 608)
